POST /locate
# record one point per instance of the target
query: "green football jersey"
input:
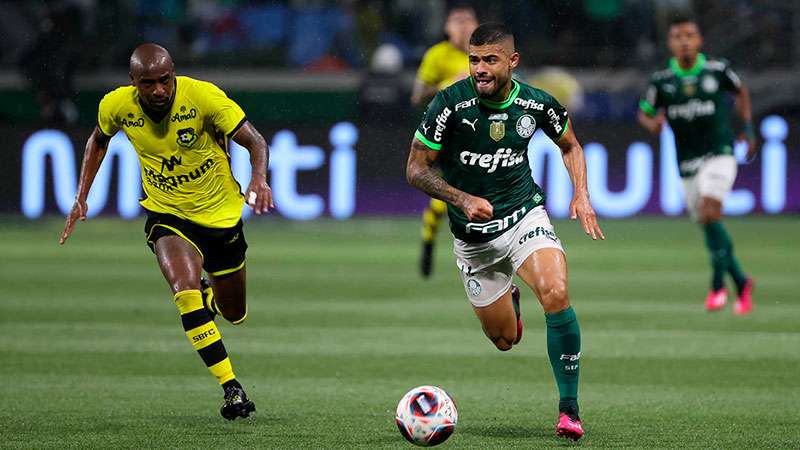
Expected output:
(695, 107)
(484, 150)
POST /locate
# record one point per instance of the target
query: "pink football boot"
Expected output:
(568, 427)
(744, 302)
(715, 300)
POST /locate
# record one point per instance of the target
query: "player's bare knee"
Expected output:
(503, 344)
(555, 298)
(182, 285)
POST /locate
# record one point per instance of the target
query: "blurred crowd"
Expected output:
(49, 41)
(338, 35)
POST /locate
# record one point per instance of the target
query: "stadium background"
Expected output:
(301, 69)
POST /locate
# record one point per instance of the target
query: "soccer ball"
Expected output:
(426, 416)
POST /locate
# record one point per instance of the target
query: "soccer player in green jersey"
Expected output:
(691, 95)
(477, 131)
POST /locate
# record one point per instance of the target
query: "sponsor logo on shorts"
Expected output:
(538, 232)
(496, 225)
(233, 239)
(474, 287)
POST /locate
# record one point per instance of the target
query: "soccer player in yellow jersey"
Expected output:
(180, 128)
(442, 65)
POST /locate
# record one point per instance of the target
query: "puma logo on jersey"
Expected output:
(471, 124)
(425, 129)
(503, 157)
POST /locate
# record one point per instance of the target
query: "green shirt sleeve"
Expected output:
(729, 80)
(557, 121)
(435, 125)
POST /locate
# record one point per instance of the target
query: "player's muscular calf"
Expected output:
(499, 322)
(230, 295)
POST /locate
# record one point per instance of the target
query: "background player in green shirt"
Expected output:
(691, 95)
(477, 131)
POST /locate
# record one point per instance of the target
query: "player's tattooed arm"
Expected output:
(258, 193)
(580, 207)
(421, 175)
(96, 148)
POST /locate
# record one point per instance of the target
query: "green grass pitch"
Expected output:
(340, 326)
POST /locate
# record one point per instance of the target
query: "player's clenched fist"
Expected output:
(259, 195)
(477, 209)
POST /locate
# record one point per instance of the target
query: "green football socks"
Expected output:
(564, 349)
(720, 247)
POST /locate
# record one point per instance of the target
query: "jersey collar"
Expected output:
(694, 70)
(497, 105)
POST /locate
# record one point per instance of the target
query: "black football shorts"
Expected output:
(223, 249)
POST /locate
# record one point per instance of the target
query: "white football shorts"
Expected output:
(713, 179)
(488, 268)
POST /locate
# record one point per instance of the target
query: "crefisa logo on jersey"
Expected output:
(526, 125)
(186, 137)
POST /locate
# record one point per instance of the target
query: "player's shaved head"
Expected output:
(153, 74)
(150, 57)
(493, 33)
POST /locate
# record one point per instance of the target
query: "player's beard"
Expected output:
(494, 89)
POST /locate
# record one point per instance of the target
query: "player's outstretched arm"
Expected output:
(745, 110)
(420, 174)
(258, 193)
(96, 148)
(579, 207)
